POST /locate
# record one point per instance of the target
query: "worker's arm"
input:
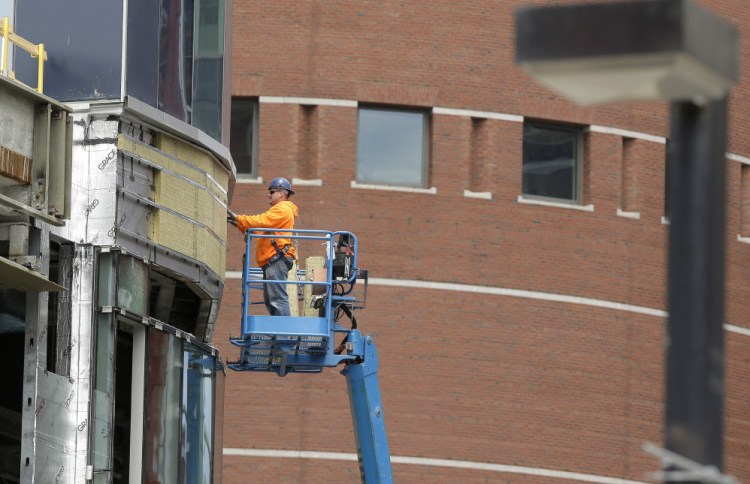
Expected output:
(276, 216)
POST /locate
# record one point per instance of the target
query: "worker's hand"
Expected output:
(231, 217)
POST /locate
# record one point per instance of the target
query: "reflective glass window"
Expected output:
(198, 409)
(106, 280)
(101, 425)
(162, 412)
(243, 135)
(132, 285)
(176, 58)
(143, 50)
(208, 62)
(190, 57)
(392, 147)
(552, 161)
(219, 382)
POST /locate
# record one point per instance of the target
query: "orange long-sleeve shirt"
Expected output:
(279, 216)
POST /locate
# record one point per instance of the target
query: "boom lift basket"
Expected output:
(284, 344)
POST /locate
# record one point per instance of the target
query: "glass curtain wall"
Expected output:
(208, 70)
(179, 391)
(175, 57)
(198, 410)
(164, 370)
(104, 371)
(191, 62)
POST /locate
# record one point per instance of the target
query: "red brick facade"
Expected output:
(510, 378)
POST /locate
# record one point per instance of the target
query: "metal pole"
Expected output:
(695, 356)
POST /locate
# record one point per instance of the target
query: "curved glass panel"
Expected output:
(162, 415)
(198, 403)
(132, 285)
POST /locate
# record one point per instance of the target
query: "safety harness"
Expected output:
(280, 254)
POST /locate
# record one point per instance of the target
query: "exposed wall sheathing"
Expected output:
(16, 122)
(190, 196)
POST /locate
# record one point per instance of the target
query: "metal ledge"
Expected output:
(181, 129)
(31, 212)
(16, 276)
(24, 90)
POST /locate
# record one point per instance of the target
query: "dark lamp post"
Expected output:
(678, 51)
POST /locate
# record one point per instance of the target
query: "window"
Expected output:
(197, 412)
(392, 147)
(164, 368)
(154, 402)
(208, 68)
(552, 161)
(243, 139)
(175, 59)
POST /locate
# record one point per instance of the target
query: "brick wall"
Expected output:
(476, 377)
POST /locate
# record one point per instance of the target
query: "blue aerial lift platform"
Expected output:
(291, 344)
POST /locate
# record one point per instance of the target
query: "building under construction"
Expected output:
(114, 182)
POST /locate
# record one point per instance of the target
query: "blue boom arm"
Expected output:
(367, 411)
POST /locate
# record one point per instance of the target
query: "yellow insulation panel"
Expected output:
(210, 251)
(180, 196)
(185, 237)
(210, 208)
(183, 151)
(198, 158)
(224, 182)
(220, 221)
(194, 170)
(175, 233)
(200, 230)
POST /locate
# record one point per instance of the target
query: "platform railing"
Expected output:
(35, 50)
(257, 282)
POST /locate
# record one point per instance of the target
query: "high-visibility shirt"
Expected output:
(279, 216)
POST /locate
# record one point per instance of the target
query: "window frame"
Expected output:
(426, 141)
(578, 165)
(255, 103)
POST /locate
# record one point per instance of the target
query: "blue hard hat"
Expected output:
(282, 183)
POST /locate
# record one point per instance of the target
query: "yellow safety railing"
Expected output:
(36, 50)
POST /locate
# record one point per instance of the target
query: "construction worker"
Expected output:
(274, 255)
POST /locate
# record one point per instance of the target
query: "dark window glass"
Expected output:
(392, 147)
(551, 161)
(243, 135)
(208, 66)
(176, 57)
(84, 42)
(143, 50)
